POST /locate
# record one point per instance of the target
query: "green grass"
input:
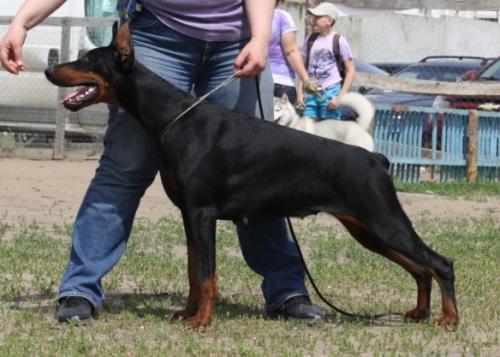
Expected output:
(150, 282)
(475, 191)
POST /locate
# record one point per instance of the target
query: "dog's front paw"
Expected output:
(448, 320)
(198, 321)
(418, 314)
(183, 314)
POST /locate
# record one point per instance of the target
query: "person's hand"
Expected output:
(333, 104)
(252, 59)
(311, 86)
(299, 103)
(11, 55)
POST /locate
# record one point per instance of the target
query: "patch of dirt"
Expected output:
(50, 192)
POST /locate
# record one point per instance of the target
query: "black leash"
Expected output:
(311, 280)
(313, 283)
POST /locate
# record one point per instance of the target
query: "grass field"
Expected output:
(150, 282)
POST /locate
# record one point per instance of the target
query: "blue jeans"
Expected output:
(316, 105)
(131, 159)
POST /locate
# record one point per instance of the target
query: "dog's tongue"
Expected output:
(79, 94)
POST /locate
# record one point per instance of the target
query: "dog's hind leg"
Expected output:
(398, 233)
(422, 277)
(404, 240)
(385, 219)
(200, 231)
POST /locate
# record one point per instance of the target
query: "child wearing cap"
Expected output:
(323, 67)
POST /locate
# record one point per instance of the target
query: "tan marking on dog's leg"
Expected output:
(421, 275)
(194, 288)
(449, 306)
(424, 285)
(208, 295)
(450, 313)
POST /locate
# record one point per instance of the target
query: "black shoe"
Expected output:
(298, 308)
(75, 309)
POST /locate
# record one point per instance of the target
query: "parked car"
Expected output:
(488, 73)
(363, 67)
(436, 68)
(391, 67)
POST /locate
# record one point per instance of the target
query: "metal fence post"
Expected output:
(61, 113)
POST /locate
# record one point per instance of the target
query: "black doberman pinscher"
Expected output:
(218, 164)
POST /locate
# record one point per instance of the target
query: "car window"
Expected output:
(100, 8)
(491, 73)
(368, 68)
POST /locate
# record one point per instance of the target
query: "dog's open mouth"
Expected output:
(81, 98)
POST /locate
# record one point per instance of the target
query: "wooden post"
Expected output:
(471, 170)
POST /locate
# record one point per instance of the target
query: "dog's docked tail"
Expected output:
(362, 106)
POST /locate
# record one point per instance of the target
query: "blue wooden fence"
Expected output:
(436, 140)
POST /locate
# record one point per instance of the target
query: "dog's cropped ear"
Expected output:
(123, 46)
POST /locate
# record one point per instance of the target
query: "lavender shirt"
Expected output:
(322, 64)
(208, 20)
(282, 72)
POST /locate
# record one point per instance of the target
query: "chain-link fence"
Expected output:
(32, 120)
(403, 62)
(437, 70)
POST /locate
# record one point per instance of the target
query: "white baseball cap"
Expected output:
(324, 9)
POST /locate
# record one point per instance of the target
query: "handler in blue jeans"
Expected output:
(185, 43)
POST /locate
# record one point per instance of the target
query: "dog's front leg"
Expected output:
(194, 287)
(200, 230)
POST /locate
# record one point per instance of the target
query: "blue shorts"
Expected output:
(317, 104)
